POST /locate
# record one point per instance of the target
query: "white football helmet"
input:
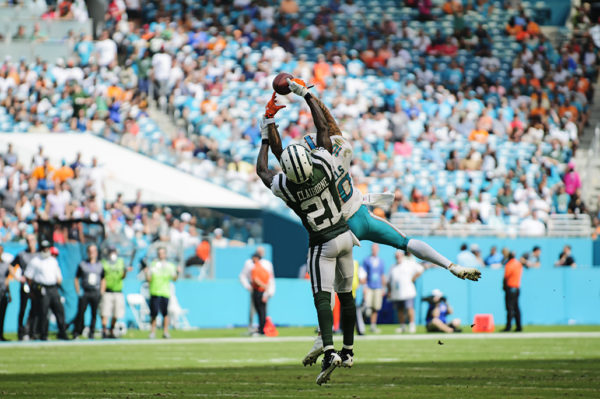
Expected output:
(296, 163)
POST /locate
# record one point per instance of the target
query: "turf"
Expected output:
(478, 368)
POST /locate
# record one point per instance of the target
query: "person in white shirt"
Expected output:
(246, 279)
(218, 240)
(402, 290)
(532, 226)
(106, 50)
(161, 67)
(44, 276)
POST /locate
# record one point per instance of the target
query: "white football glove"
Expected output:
(470, 273)
(378, 199)
(264, 130)
(296, 88)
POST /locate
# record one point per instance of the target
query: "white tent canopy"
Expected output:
(127, 171)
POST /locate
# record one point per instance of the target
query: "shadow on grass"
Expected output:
(476, 379)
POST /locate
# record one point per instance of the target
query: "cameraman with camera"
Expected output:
(437, 314)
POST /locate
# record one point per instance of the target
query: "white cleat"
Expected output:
(314, 353)
(327, 366)
(347, 357)
(469, 273)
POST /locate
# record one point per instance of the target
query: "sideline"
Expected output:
(235, 340)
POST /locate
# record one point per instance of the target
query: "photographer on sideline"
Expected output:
(439, 309)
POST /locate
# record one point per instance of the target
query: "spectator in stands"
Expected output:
(571, 179)
(532, 226)
(565, 258)
(20, 34)
(257, 277)
(6, 272)
(437, 314)
(402, 291)
(159, 276)
(512, 286)
(532, 260)
(218, 240)
(375, 281)
(89, 278)
(469, 257)
(494, 259)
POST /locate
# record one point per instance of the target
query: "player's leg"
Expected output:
(344, 279)
(322, 260)
(383, 232)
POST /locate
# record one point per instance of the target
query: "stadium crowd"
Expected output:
(472, 115)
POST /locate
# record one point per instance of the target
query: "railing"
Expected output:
(427, 224)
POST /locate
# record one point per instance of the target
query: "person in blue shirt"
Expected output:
(494, 259)
(375, 281)
(469, 257)
(437, 314)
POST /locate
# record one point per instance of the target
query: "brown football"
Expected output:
(280, 84)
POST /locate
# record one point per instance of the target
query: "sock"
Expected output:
(423, 251)
(325, 316)
(348, 313)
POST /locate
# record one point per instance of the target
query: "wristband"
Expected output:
(307, 96)
(265, 141)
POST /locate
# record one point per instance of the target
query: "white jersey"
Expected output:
(342, 153)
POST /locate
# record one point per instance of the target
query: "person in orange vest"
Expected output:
(512, 286)
(257, 277)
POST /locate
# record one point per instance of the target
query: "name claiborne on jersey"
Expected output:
(314, 190)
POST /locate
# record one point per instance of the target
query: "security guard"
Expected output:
(6, 270)
(113, 302)
(22, 260)
(44, 277)
(90, 277)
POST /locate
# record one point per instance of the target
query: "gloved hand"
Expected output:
(264, 130)
(272, 108)
(297, 86)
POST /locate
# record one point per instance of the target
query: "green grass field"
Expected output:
(511, 367)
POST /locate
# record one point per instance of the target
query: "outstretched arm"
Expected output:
(268, 128)
(299, 88)
(274, 140)
(262, 164)
(334, 129)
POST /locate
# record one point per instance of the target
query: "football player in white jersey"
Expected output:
(364, 224)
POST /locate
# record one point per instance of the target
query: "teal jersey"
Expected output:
(315, 201)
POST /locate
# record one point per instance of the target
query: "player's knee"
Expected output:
(322, 298)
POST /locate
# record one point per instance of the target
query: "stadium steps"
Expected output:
(164, 122)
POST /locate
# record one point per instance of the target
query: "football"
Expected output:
(280, 84)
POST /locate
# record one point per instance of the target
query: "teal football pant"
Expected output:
(367, 226)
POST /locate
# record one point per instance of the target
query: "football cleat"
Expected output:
(328, 364)
(347, 356)
(314, 353)
(469, 273)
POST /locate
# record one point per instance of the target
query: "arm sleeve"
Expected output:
(279, 187)
(29, 270)
(323, 157)
(245, 274)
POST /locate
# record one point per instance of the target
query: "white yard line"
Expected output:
(234, 340)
